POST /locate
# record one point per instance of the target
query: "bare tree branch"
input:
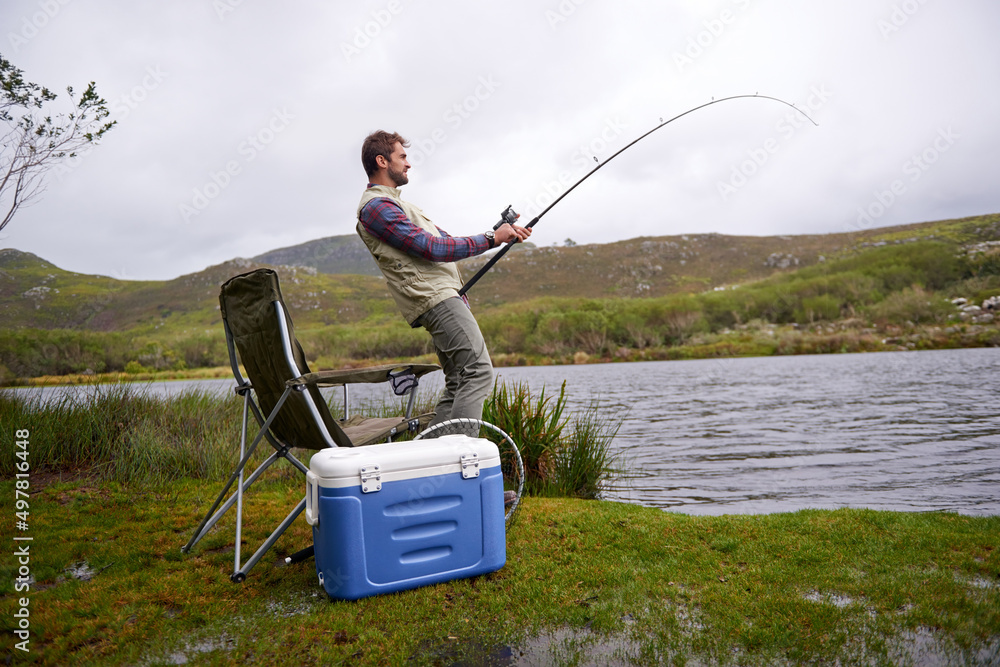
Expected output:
(34, 143)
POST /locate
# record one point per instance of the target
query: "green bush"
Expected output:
(814, 308)
(985, 263)
(203, 351)
(911, 305)
(37, 352)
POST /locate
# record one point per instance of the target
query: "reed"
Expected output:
(120, 432)
(564, 455)
(535, 423)
(585, 460)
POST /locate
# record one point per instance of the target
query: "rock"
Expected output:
(778, 260)
(38, 292)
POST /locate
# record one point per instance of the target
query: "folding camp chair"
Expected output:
(284, 397)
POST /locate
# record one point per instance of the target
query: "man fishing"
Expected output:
(418, 259)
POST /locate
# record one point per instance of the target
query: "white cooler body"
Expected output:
(400, 515)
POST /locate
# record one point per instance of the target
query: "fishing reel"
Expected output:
(508, 217)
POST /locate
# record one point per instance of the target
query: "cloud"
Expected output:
(256, 113)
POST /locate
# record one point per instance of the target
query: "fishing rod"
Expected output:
(509, 216)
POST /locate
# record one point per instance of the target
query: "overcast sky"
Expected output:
(240, 123)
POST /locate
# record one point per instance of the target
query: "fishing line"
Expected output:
(508, 216)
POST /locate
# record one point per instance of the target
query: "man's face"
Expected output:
(398, 166)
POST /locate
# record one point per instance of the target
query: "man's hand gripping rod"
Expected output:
(508, 217)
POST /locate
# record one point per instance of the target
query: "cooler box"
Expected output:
(400, 515)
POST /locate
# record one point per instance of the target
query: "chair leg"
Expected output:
(299, 556)
(240, 575)
(211, 520)
(239, 487)
(239, 469)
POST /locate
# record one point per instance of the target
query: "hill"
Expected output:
(333, 254)
(616, 300)
(333, 280)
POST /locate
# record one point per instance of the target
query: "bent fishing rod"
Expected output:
(509, 216)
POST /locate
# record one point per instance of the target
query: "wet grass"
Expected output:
(586, 582)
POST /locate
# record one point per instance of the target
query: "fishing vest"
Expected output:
(416, 284)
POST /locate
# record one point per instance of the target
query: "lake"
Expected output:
(906, 431)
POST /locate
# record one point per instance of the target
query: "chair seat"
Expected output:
(369, 430)
(369, 374)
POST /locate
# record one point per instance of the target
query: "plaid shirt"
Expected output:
(385, 220)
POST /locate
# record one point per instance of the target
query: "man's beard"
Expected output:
(398, 177)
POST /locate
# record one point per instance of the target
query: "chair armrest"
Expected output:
(370, 374)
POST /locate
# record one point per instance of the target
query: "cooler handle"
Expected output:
(312, 498)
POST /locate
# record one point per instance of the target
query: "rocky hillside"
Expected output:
(333, 280)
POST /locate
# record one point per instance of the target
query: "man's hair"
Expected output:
(378, 143)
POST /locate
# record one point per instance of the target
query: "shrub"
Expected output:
(911, 305)
(563, 455)
(134, 368)
(813, 308)
(534, 423)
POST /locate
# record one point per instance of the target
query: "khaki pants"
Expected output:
(468, 371)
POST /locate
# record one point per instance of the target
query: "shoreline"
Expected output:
(746, 341)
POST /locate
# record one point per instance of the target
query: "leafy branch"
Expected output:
(34, 141)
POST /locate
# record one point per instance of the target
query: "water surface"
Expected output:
(909, 431)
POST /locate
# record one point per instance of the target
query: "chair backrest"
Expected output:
(257, 323)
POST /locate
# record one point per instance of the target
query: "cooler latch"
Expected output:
(371, 479)
(470, 465)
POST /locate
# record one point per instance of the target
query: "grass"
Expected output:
(535, 422)
(582, 579)
(118, 484)
(121, 433)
